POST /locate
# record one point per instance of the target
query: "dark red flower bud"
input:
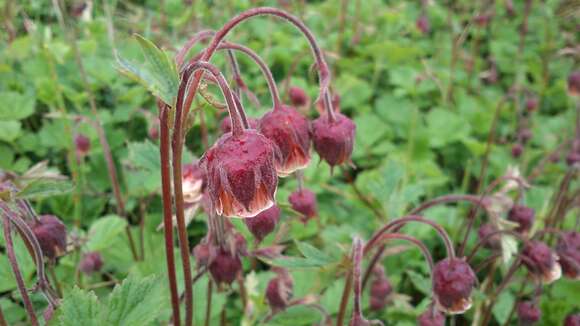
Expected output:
(83, 144)
(154, 132)
(517, 150)
(298, 97)
(528, 313)
(241, 175)
(524, 216)
(280, 291)
(225, 266)
(423, 24)
(541, 262)
(51, 235)
(226, 124)
(574, 83)
(431, 317)
(203, 253)
(483, 20)
(572, 158)
(568, 250)
(453, 280)
(494, 241)
(333, 140)
(304, 202)
(531, 104)
(264, 223)
(91, 262)
(525, 135)
(381, 288)
(290, 131)
(572, 320)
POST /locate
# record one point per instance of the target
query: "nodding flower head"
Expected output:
(568, 250)
(517, 150)
(82, 144)
(423, 24)
(241, 173)
(541, 262)
(491, 241)
(264, 223)
(51, 235)
(572, 320)
(193, 183)
(431, 317)
(204, 252)
(304, 201)
(522, 215)
(453, 280)
(226, 124)
(280, 290)
(290, 131)
(381, 288)
(528, 313)
(574, 83)
(333, 140)
(91, 262)
(225, 266)
(298, 97)
(531, 104)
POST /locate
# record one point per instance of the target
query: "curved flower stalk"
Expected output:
(12, 218)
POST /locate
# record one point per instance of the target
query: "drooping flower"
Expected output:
(264, 223)
(431, 317)
(241, 173)
(528, 313)
(51, 235)
(453, 281)
(280, 290)
(522, 215)
(304, 202)
(568, 250)
(290, 131)
(541, 261)
(91, 262)
(333, 140)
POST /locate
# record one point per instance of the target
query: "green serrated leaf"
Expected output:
(158, 75)
(311, 253)
(296, 315)
(42, 188)
(16, 106)
(9, 130)
(104, 231)
(294, 262)
(81, 308)
(135, 302)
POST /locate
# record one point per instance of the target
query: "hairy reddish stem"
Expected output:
(164, 151)
(17, 274)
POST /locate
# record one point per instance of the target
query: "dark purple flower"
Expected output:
(298, 97)
(423, 24)
(541, 262)
(568, 250)
(453, 281)
(572, 320)
(241, 173)
(91, 262)
(280, 291)
(304, 202)
(225, 266)
(531, 104)
(264, 223)
(517, 150)
(485, 231)
(524, 216)
(83, 144)
(333, 140)
(51, 235)
(528, 313)
(381, 288)
(290, 131)
(431, 317)
(574, 83)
